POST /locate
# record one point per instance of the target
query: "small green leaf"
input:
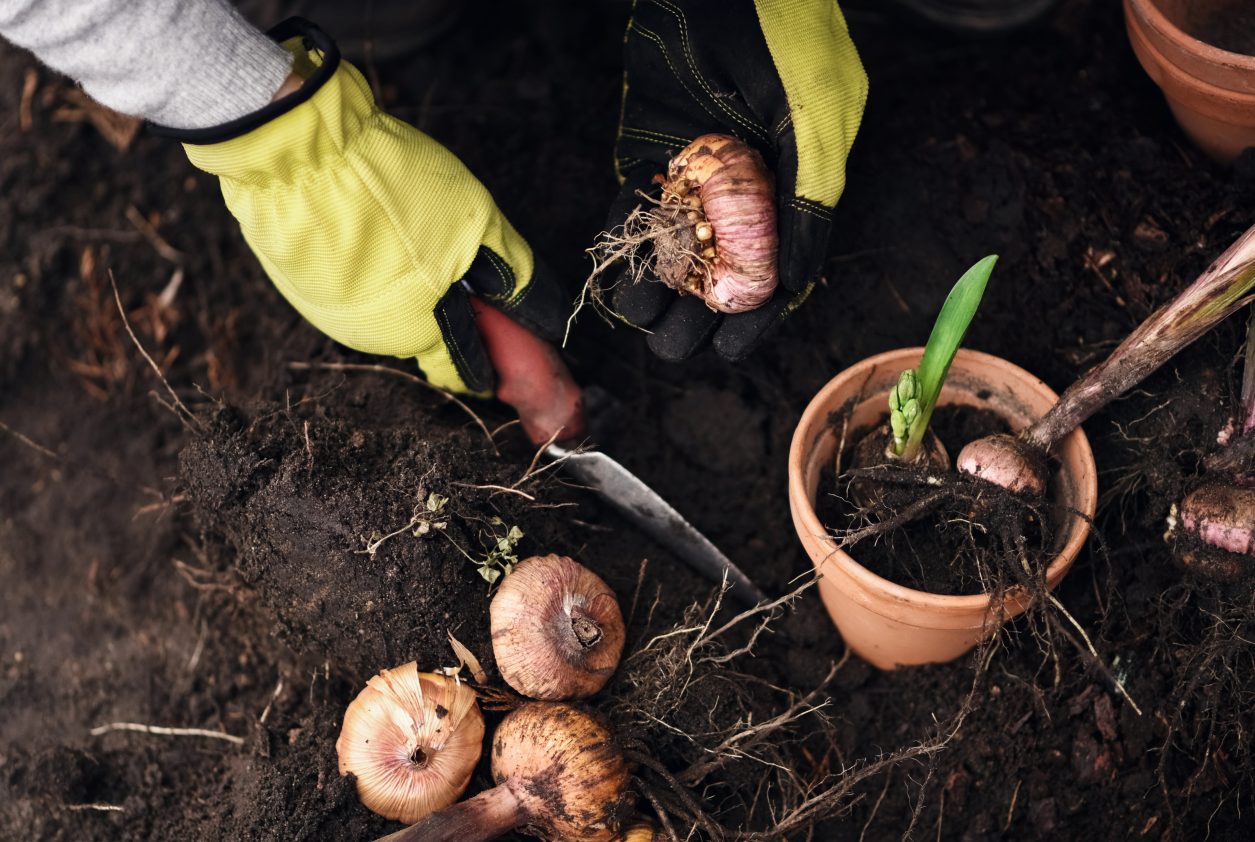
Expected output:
(490, 574)
(948, 332)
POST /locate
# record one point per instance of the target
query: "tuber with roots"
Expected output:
(1019, 463)
(712, 233)
(1212, 529)
(560, 776)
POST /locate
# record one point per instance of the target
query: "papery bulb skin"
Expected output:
(1213, 531)
(566, 770)
(557, 632)
(412, 740)
(717, 224)
(1007, 461)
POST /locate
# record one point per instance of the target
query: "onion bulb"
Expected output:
(1213, 530)
(559, 776)
(557, 632)
(714, 230)
(412, 740)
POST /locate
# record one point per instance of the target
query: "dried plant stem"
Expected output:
(149, 233)
(186, 414)
(1224, 288)
(1247, 409)
(29, 442)
(162, 731)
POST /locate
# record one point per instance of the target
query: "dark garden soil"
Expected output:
(217, 574)
(939, 552)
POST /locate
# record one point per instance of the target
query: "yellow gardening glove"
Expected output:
(368, 226)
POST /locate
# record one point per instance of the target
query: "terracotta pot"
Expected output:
(1211, 91)
(887, 624)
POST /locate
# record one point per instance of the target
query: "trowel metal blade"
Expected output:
(654, 516)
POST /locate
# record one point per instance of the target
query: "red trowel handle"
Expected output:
(531, 377)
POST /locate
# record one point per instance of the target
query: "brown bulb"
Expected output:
(412, 740)
(642, 831)
(566, 770)
(1008, 461)
(560, 776)
(557, 632)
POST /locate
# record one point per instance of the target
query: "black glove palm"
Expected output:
(699, 66)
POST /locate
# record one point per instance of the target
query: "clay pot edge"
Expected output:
(1151, 16)
(804, 507)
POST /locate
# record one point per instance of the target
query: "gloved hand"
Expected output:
(371, 229)
(783, 76)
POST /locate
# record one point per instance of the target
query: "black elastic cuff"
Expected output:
(315, 38)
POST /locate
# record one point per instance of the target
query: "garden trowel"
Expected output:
(532, 378)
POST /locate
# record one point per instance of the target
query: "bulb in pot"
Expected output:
(1007, 461)
(557, 632)
(560, 776)
(1213, 530)
(412, 740)
(714, 233)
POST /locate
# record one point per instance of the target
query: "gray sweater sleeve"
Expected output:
(186, 64)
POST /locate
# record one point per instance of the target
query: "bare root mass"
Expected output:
(691, 693)
(655, 240)
(1208, 746)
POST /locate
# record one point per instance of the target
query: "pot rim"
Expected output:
(799, 452)
(1150, 14)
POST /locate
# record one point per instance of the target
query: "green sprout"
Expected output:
(425, 517)
(914, 396)
(501, 559)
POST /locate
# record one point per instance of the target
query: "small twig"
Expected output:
(847, 538)
(1089, 646)
(265, 714)
(532, 470)
(501, 489)
(33, 445)
(1015, 796)
(103, 808)
(162, 731)
(187, 417)
(146, 228)
(383, 369)
(159, 505)
(636, 593)
(26, 114)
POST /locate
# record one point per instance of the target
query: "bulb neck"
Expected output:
(587, 631)
(486, 816)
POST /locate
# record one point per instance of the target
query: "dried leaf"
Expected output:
(468, 660)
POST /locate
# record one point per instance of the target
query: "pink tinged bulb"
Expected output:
(1222, 516)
